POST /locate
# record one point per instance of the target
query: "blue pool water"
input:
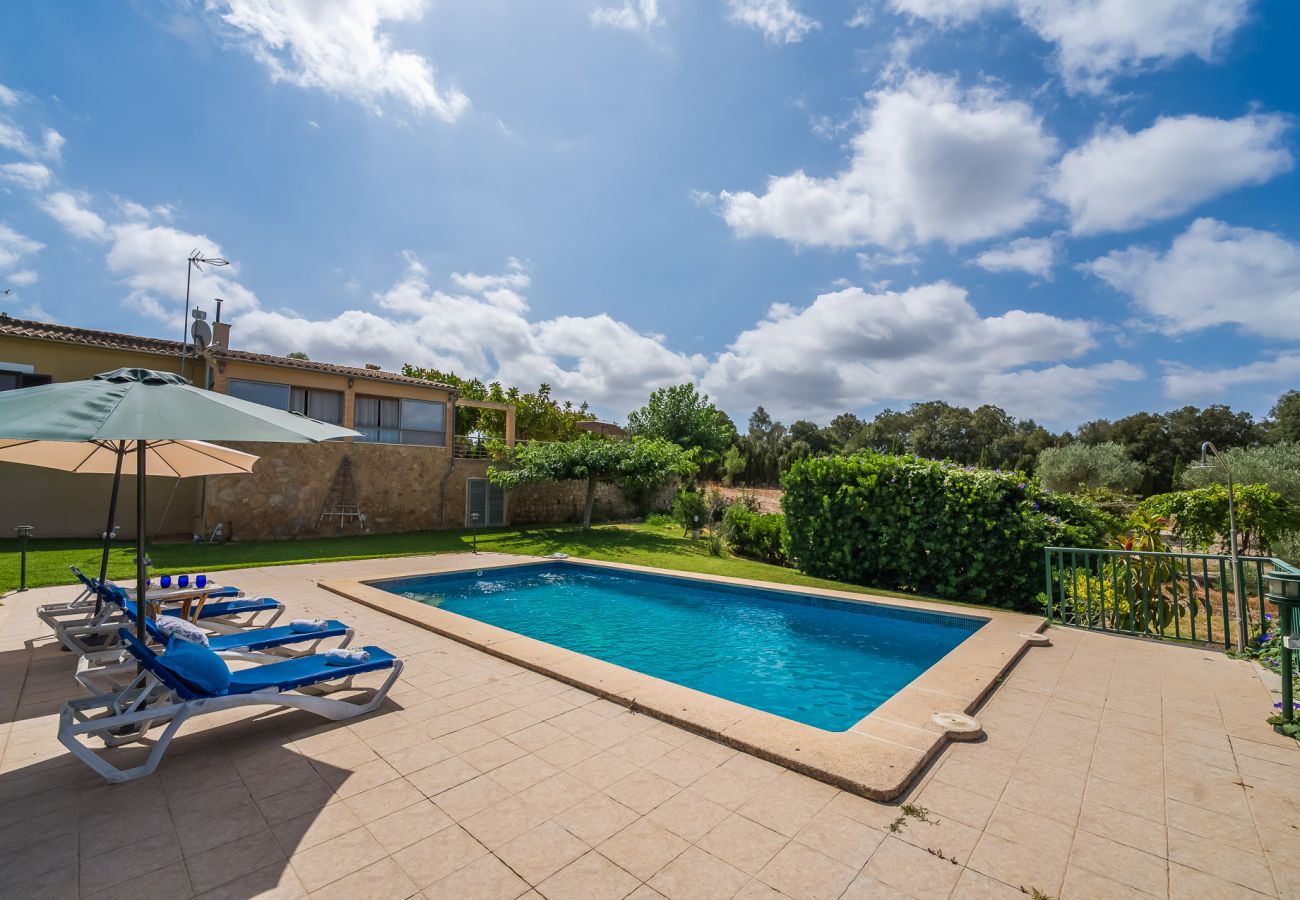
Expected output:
(815, 660)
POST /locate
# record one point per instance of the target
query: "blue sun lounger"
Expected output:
(158, 697)
(83, 631)
(113, 668)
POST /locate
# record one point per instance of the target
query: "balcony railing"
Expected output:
(1167, 596)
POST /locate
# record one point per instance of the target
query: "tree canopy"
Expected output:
(538, 416)
(1076, 466)
(638, 463)
(684, 416)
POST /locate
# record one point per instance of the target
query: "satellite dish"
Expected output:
(201, 331)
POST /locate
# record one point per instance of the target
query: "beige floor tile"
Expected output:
(442, 776)
(383, 878)
(696, 875)
(841, 838)
(539, 853)
(522, 773)
(277, 881)
(801, 872)
(171, 881)
(1087, 885)
(554, 795)
(688, 815)
(603, 769)
(1127, 828)
(973, 885)
(1193, 884)
(1121, 863)
(503, 822)
(643, 848)
(331, 860)
(1221, 860)
(642, 791)
(384, 799)
(487, 878)
(903, 867)
(743, 843)
(864, 887)
(470, 797)
(212, 869)
(314, 828)
(596, 818)
(1016, 864)
(587, 877)
(408, 825)
(953, 802)
(433, 858)
(781, 812)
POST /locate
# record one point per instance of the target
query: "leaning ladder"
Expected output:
(342, 501)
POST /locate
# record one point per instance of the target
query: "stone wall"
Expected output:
(563, 502)
(398, 488)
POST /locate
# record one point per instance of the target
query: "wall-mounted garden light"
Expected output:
(1221, 462)
(23, 532)
(1283, 589)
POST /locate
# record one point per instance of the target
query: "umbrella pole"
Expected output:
(141, 572)
(108, 529)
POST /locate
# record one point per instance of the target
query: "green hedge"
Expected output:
(904, 523)
(756, 535)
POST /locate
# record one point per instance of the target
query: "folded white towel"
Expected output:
(345, 657)
(302, 625)
(174, 627)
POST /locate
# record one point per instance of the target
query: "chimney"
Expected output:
(220, 330)
(221, 335)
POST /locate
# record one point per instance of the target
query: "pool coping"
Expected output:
(878, 757)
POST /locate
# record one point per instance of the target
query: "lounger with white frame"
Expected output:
(156, 697)
(113, 669)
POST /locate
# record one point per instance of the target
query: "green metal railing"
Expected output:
(1168, 596)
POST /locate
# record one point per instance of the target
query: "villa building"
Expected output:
(407, 471)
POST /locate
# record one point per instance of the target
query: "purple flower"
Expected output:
(1265, 638)
(1294, 705)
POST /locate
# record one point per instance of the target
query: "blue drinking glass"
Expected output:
(200, 581)
(183, 581)
(165, 581)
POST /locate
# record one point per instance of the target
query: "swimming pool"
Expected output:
(817, 660)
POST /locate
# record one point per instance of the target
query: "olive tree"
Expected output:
(637, 464)
(1077, 466)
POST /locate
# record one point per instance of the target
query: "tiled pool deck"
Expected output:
(1112, 768)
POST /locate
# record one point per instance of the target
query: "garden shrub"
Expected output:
(1200, 517)
(753, 534)
(690, 509)
(905, 523)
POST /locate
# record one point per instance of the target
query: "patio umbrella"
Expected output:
(177, 459)
(139, 406)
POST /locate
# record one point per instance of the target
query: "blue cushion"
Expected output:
(197, 666)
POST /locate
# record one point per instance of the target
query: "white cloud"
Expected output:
(73, 213)
(850, 349)
(339, 46)
(1035, 256)
(14, 138)
(14, 246)
(933, 162)
(1194, 383)
(1118, 180)
(779, 21)
(594, 358)
(641, 15)
(1212, 275)
(1098, 39)
(30, 175)
(23, 278)
(150, 261)
(8, 96)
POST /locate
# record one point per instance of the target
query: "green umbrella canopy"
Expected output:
(140, 404)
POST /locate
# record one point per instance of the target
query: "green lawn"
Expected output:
(666, 548)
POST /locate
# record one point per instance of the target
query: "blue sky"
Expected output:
(1070, 208)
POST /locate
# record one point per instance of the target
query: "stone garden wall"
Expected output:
(398, 488)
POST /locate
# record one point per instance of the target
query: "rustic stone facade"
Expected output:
(398, 488)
